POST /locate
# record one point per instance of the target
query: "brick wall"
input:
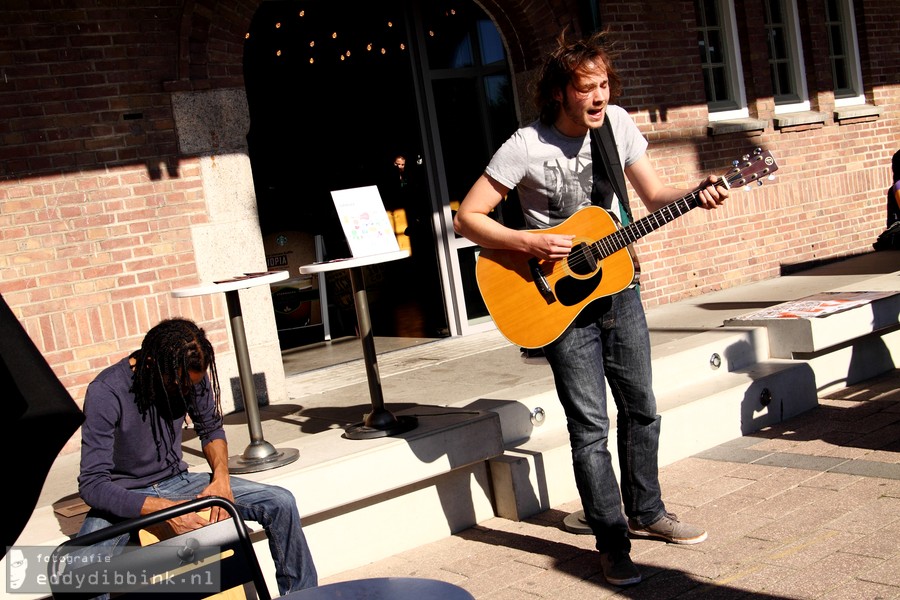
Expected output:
(96, 201)
(96, 204)
(828, 198)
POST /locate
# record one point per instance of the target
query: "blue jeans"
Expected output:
(271, 506)
(610, 341)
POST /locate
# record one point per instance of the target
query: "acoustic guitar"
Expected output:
(534, 301)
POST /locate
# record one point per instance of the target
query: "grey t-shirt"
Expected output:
(553, 172)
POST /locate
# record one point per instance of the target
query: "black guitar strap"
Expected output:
(609, 171)
(605, 153)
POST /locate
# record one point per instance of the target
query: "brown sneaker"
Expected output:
(619, 569)
(669, 529)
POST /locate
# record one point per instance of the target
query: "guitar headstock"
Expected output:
(751, 167)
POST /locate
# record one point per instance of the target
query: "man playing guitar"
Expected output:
(550, 162)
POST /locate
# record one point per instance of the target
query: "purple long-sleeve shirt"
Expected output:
(118, 450)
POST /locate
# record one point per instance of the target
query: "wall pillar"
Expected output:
(212, 126)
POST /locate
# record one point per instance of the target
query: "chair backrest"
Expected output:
(198, 564)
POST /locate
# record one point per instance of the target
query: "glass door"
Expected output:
(469, 106)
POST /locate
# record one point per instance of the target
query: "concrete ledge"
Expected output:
(790, 336)
(855, 361)
(333, 471)
(707, 355)
(858, 111)
(806, 117)
(736, 126)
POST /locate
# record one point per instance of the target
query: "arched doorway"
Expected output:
(337, 92)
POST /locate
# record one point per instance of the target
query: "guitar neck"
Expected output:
(746, 170)
(634, 231)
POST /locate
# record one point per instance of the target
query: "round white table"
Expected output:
(259, 455)
(384, 588)
(380, 422)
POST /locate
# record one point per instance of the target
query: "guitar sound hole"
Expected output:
(581, 261)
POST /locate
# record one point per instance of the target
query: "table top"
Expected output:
(356, 261)
(384, 588)
(238, 282)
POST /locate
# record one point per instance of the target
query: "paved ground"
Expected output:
(807, 509)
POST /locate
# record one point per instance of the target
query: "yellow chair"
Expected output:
(399, 222)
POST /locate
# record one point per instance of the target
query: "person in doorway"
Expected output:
(418, 287)
(400, 165)
(550, 163)
(394, 184)
(131, 454)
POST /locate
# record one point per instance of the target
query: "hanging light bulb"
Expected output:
(334, 35)
(369, 47)
(247, 36)
(277, 25)
(302, 13)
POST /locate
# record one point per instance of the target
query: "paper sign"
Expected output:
(364, 220)
(815, 306)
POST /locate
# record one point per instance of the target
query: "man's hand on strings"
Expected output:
(550, 246)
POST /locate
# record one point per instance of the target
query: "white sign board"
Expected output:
(365, 222)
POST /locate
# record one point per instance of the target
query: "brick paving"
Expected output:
(809, 508)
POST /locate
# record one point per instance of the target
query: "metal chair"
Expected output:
(199, 564)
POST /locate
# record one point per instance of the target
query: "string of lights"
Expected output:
(306, 34)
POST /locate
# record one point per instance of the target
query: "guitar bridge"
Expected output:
(540, 281)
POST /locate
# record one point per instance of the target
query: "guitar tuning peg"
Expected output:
(757, 151)
(745, 157)
(758, 183)
(771, 177)
(748, 187)
(735, 163)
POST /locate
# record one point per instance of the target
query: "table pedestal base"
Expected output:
(380, 422)
(576, 523)
(261, 456)
(378, 425)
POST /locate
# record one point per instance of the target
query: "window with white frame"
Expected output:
(785, 51)
(720, 59)
(846, 76)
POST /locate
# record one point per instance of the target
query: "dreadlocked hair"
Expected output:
(169, 353)
(565, 61)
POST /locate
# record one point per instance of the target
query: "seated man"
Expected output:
(131, 455)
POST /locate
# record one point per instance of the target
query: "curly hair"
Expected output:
(169, 353)
(565, 61)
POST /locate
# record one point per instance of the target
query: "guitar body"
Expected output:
(510, 286)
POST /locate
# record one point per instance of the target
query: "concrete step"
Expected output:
(707, 355)
(535, 471)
